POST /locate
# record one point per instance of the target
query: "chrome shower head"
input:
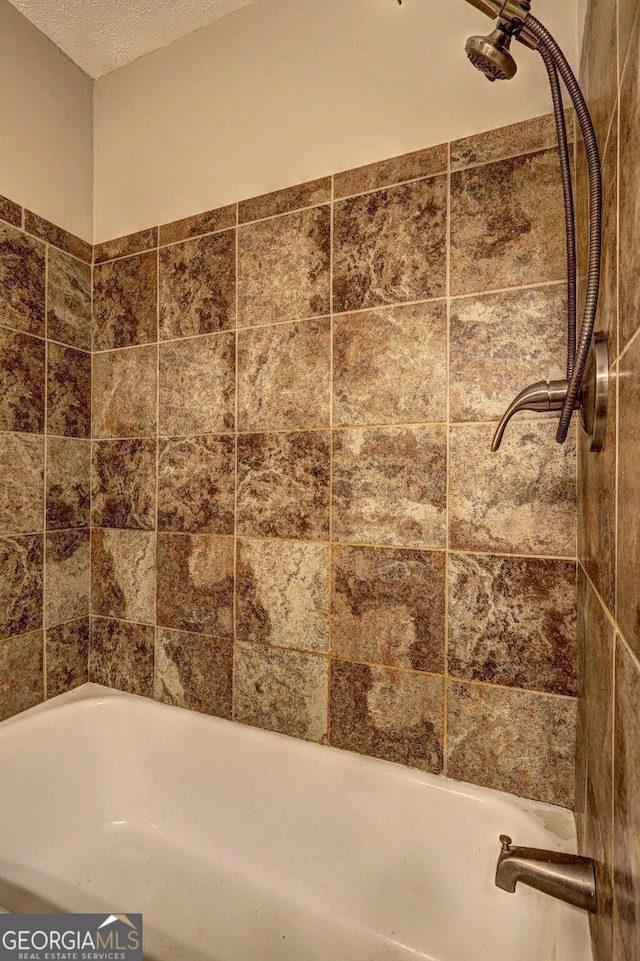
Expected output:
(492, 56)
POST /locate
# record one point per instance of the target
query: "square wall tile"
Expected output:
(390, 366)
(22, 379)
(22, 281)
(68, 300)
(512, 621)
(121, 655)
(21, 482)
(123, 484)
(198, 286)
(196, 583)
(57, 236)
(21, 563)
(390, 246)
(68, 391)
(512, 141)
(208, 222)
(196, 484)
(387, 713)
(388, 607)
(389, 486)
(21, 677)
(67, 656)
(123, 575)
(194, 672)
(282, 595)
(409, 166)
(10, 212)
(309, 194)
(124, 392)
(134, 243)
(197, 385)
(68, 482)
(628, 570)
(282, 691)
(125, 302)
(68, 577)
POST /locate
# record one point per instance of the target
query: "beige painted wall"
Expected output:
(46, 106)
(284, 91)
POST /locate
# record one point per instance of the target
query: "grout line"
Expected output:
(45, 442)
(445, 720)
(330, 552)
(157, 440)
(235, 467)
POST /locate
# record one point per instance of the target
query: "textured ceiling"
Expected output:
(101, 35)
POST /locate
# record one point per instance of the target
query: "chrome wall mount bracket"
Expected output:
(595, 393)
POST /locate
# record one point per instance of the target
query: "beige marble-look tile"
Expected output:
(512, 621)
(198, 286)
(196, 484)
(68, 577)
(629, 191)
(21, 678)
(409, 166)
(283, 268)
(194, 672)
(284, 201)
(68, 391)
(22, 281)
(205, 223)
(600, 48)
(520, 500)
(283, 485)
(197, 385)
(68, 483)
(196, 583)
(21, 483)
(514, 741)
(282, 594)
(123, 575)
(67, 656)
(387, 713)
(124, 246)
(388, 607)
(512, 141)
(22, 379)
(390, 246)
(627, 10)
(389, 486)
(390, 366)
(121, 655)
(123, 484)
(507, 224)
(502, 342)
(607, 317)
(284, 376)
(125, 302)
(10, 212)
(628, 567)
(68, 300)
(124, 392)
(281, 691)
(57, 236)
(21, 563)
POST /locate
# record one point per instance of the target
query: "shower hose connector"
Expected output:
(543, 396)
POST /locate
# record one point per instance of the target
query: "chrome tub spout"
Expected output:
(567, 877)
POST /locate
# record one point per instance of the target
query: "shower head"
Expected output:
(491, 55)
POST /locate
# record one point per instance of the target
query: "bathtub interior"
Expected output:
(238, 844)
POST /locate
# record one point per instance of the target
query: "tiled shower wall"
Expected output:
(608, 772)
(297, 521)
(45, 454)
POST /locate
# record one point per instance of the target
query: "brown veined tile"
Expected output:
(68, 300)
(282, 594)
(601, 923)
(68, 483)
(123, 575)
(196, 484)
(608, 309)
(124, 392)
(206, 223)
(627, 10)
(512, 621)
(22, 281)
(389, 486)
(387, 713)
(283, 485)
(198, 286)
(123, 484)
(284, 201)
(385, 173)
(68, 578)
(629, 193)
(581, 745)
(197, 385)
(10, 212)
(521, 500)
(500, 343)
(514, 741)
(284, 376)
(507, 224)
(512, 141)
(52, 234)
(390, 246)
(628, 568)
(283, 268)
(390, 366)
(22, 379)
(121, 655)
(125, 302)
(281, 691)
(21, 563)
(125, 246)
(196, 583)
(194, 672)
(68, 391)
(388, 607)
(600, 53)
(21, 673)
(21, 482)
(67, 656)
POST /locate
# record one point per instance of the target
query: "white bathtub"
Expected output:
(236, 844)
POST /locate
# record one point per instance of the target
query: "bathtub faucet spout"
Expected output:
(565, 876)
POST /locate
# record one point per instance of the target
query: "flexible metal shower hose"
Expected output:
(552, 50)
